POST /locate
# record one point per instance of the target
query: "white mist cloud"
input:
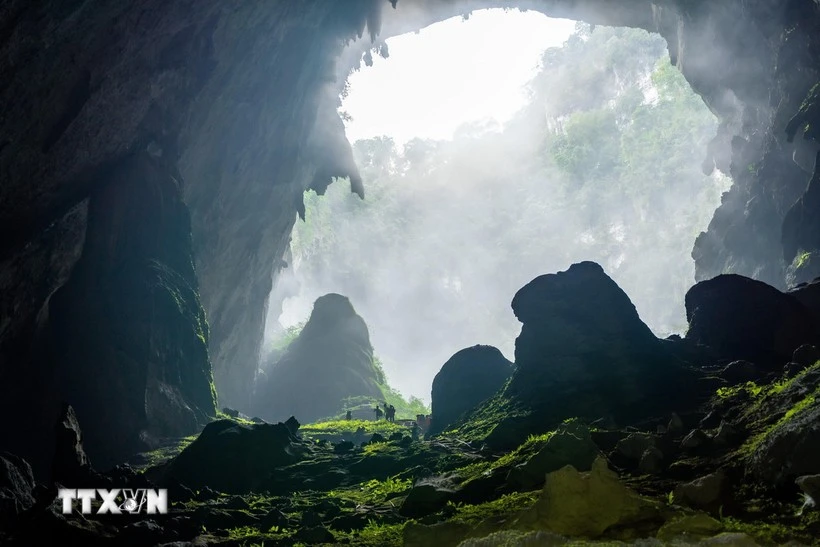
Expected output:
(451, 73)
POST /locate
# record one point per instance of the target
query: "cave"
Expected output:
(154, 159)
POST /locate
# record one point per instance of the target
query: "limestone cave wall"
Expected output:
(240, 98)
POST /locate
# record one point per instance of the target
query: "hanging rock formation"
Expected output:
(329, 361)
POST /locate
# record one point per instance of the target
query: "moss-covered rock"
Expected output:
(233, 457)
(586, 505)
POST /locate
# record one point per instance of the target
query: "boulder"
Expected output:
(235, 458)
(571, 445)
(704, 492)
(331, 360)
(651, 461)
(790, 450)
(469, 377)
(634, 445)
(695, 439)
(689, 527)
(16, 488)
(424, 499)
(587, 504)
(740, 372)
(744, 319)
(584, 352)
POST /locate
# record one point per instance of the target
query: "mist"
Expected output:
(602, 161)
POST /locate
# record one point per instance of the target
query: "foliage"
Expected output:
(505, 505)
(347, 427)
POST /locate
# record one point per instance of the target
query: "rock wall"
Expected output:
(242, 95)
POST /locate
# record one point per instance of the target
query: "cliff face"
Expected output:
(240, 99)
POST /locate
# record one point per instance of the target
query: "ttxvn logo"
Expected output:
(116, 501)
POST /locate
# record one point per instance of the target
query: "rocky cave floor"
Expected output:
(680, 479)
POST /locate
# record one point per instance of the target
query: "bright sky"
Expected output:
(450, 73)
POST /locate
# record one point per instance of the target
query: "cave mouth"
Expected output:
(600, 161)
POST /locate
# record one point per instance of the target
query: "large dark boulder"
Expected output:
(467, 378)
(329, 361)
(584, 352)
(744, 319)
(233, 458)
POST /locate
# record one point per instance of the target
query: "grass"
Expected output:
(374, 491)
(162, 455)
(375, 534)
(506, 505)
(769, 533)
(764, 397)
(479, 423)
(340, 428)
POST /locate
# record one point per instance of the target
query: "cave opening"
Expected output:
(554, 143)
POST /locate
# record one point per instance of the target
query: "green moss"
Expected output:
(384, 448)
(802, 259)
(347, 427)
(375, 534)
(222, 416)
(478, 424)
(796, 409)
(506, 505)
(374, 491)
(773, 533)
(162, 455)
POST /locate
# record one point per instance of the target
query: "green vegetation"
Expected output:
(340, 428)
(802, 259)
(506, 505)
(759, 412)
(374, 492)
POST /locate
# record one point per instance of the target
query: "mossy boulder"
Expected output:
(791, 448)
(586, 505)
(234, 458)
(469, 377)
(571, 445)
(742, 318)
(330, 361)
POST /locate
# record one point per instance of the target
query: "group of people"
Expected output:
(389, 412)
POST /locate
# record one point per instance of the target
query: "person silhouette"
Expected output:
(379, 413)
(349, 415)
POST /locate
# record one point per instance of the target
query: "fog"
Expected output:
(600, 159)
